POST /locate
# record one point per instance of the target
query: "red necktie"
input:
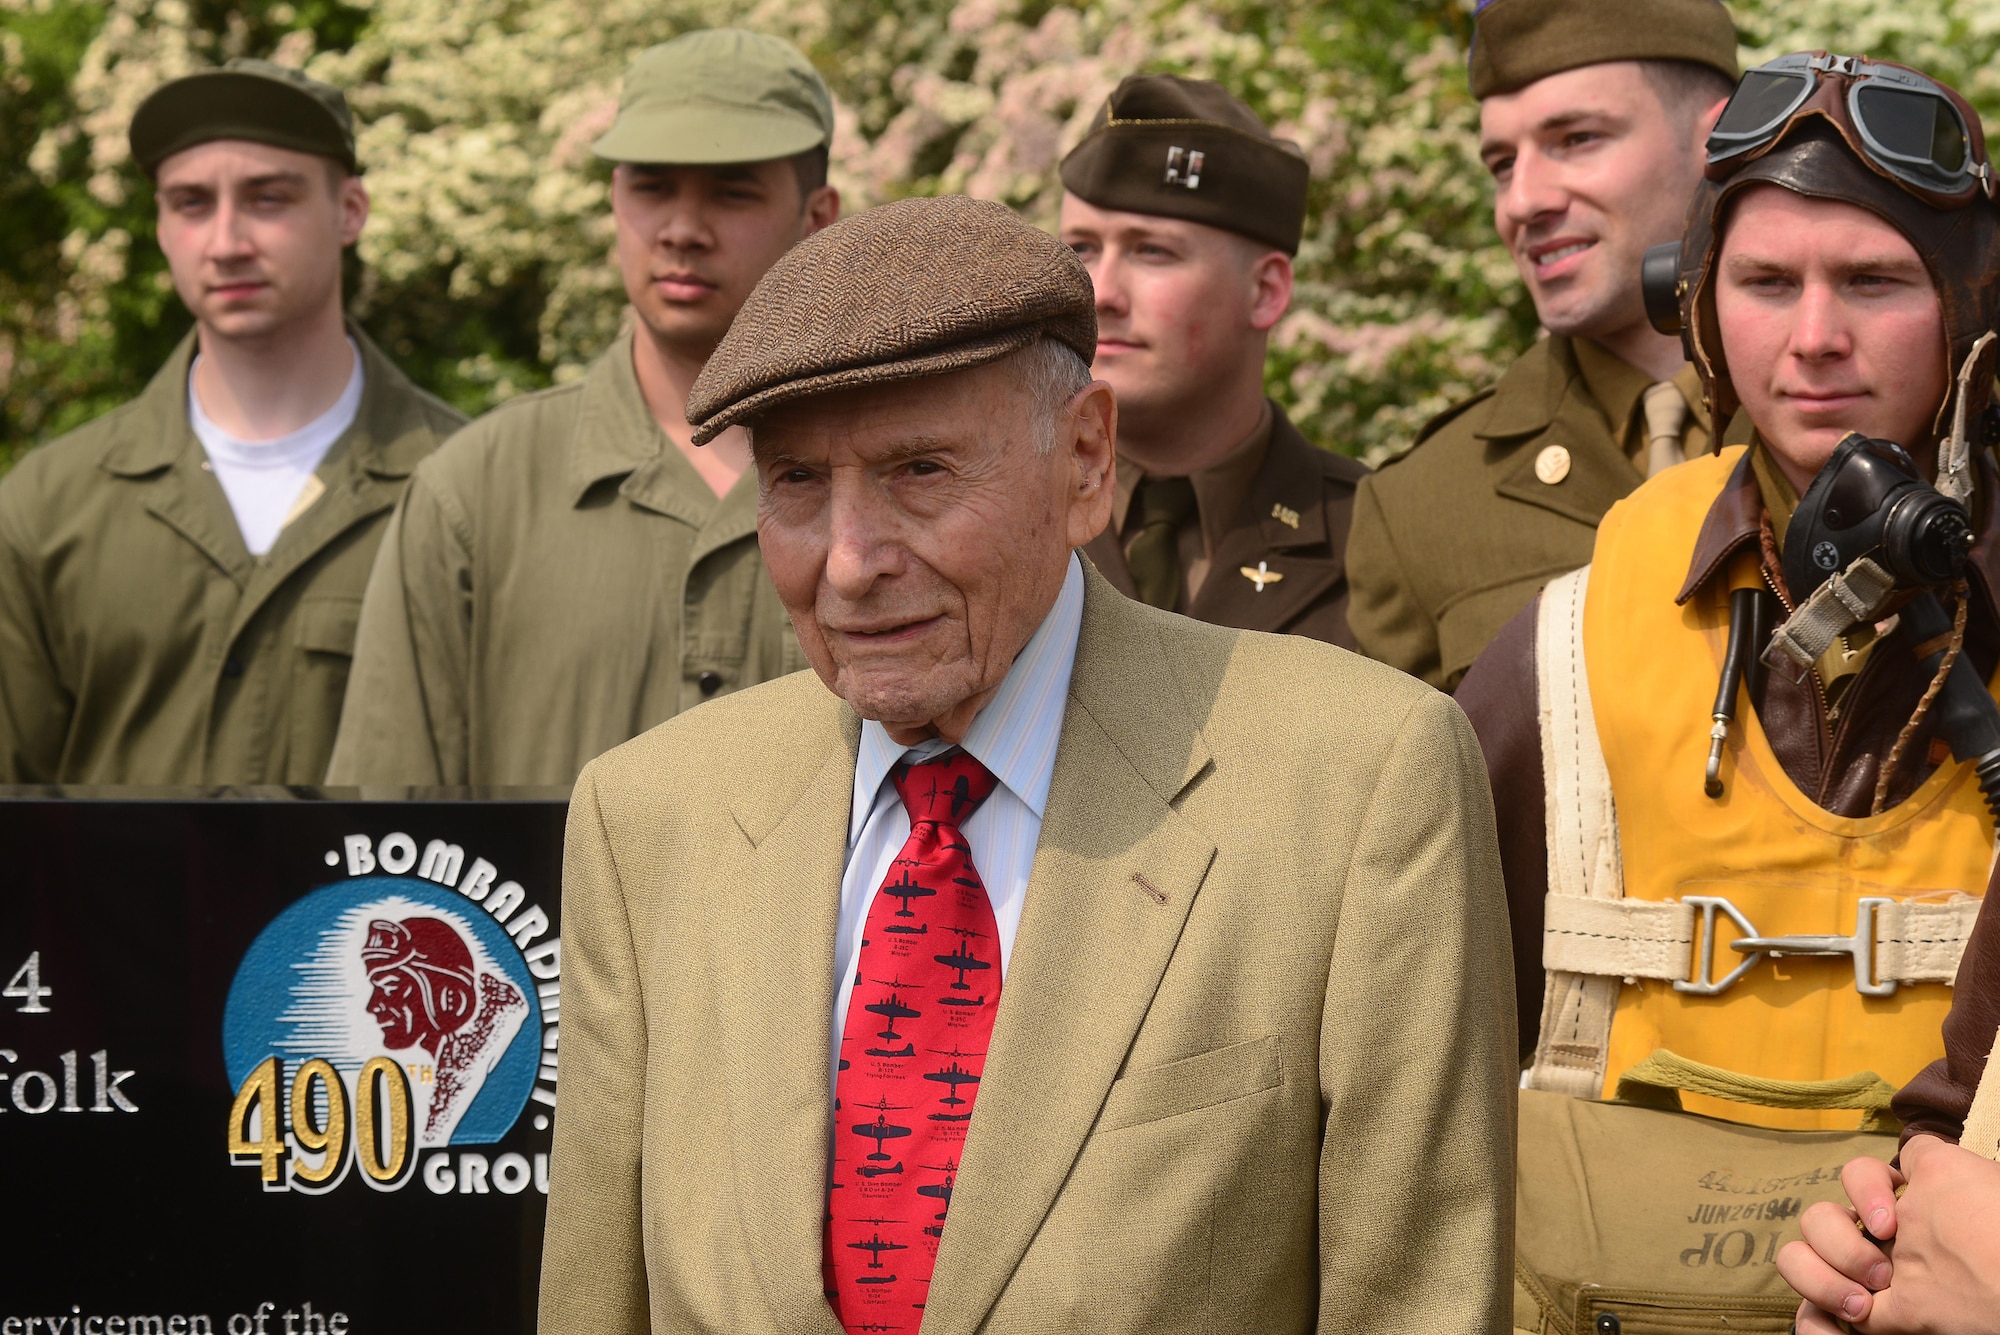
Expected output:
(925, 988)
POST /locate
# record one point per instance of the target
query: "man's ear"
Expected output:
(822, 210)
(1704, 125)
(354, 206)
(1092, 439)
(1271, 288)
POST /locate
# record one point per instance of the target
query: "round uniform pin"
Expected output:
(1552, 464)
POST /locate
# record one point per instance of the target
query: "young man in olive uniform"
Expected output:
(1592, 118)
(571, 570)
(1187, 212)
(180, 579)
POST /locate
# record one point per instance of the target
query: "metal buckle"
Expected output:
(1184, 167)
(1753, 947)
(1848, 65)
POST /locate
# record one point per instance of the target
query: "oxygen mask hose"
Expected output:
(1751, 615)
(1968, 717)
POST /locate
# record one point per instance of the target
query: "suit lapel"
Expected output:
(782, 893)
(1116, 872)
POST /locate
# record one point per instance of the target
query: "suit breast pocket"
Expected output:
(1217, 1076)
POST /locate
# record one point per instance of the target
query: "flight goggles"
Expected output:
(1904, 124)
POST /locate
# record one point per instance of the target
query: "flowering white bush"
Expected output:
(485, 265)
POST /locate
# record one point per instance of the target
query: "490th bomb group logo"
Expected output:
(387, 1016)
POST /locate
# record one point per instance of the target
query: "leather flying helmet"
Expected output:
(1886, 138)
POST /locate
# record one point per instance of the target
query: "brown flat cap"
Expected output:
(1185, 148)
(1516, 42)
(915, 288)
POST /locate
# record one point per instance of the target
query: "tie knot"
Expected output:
(1165, 500)
(945, 790)
(1666, 410)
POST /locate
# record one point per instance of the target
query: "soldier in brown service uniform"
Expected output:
(179, 579)
(1187, 212)
(571, 571)
(1592, 118)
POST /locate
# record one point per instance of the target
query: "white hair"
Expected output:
(1053, 374)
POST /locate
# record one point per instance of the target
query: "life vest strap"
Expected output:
(1982, 1121)
(1894, 941)
(1581, 824)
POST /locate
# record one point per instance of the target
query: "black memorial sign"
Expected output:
(277, 1067)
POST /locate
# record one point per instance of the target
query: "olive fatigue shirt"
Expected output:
(141, 642)
(558, 580)
(1454, 538)
(1266, 549)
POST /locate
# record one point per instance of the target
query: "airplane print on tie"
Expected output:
(927, 982)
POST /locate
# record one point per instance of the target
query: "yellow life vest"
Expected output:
(1788, 865)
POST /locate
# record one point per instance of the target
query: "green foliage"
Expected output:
(484, 267)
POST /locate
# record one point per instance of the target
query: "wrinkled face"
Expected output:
(693, 241)
(1829, 323)
(253, 234)
(1589, 169)
(918, 535)
(1180, 305)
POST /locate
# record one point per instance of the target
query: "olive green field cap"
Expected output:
(715, 96)
(1516, 42)
(244, 99)
(1186, 148)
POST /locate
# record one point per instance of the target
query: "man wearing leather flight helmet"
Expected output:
(1732, 757)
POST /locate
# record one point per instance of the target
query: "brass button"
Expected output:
(1552, 464)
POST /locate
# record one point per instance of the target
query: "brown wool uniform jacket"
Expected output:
(141, 642)
(559, 580)
(1294, 521)
(1252, 1068)
(1937, 1101)
(1454, 537)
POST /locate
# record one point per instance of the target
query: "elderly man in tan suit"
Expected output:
(1169, 960)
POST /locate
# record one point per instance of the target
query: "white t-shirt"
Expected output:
(264, 479)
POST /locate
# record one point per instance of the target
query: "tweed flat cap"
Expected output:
(1516, 42)
(916, 288)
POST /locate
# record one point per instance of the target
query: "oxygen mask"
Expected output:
(1871, 538)
(1870, 504)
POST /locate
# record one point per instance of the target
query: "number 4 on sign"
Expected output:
(27, 985)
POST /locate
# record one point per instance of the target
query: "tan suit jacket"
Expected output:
(1252, 1068)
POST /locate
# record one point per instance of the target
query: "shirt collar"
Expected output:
(1219, 490)
(1015, 736)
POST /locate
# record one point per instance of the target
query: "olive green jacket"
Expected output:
(558, 580)
(141, 642)
(1454, 538)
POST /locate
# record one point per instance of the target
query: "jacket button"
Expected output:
(709, 681)
(232, 667)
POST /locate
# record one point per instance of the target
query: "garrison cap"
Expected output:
(1185, 148)
(917, 288)
(719, 95)
(1516, 42)
(244, 99)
